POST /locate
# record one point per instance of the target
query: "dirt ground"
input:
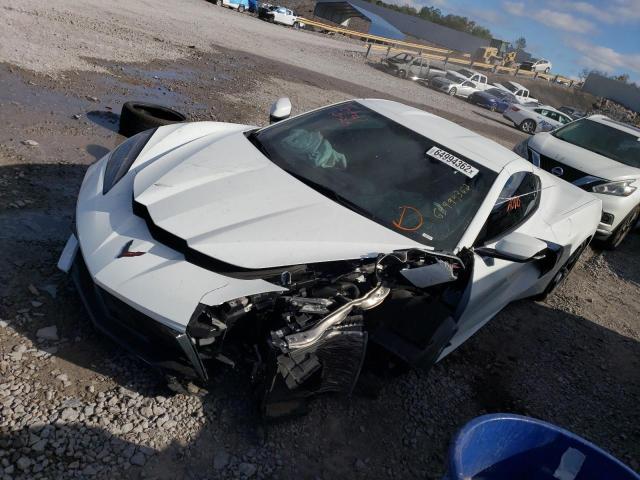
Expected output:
(73, 405)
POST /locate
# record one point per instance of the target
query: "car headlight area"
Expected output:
(120, 160)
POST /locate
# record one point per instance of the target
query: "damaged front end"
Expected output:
(312, 337)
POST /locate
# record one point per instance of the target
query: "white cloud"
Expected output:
(615, 11)
(563, 21)
(606, 59)
(514, 8)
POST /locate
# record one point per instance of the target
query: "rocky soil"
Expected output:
(73, 405)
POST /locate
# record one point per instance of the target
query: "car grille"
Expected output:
(150, 340)
(569, 174)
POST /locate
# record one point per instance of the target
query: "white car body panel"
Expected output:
(463, 87)
(543, 123)
(521, 93)
(478, 79)
(285, 16)
(207, 184)
(592, 163)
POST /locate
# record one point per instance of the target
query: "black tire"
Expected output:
(296, 25)
(622, 230)
(401, 73)
(453, 92)
(564, 271)
(240, 8)
(528, 126)
(492, 108)
(547, 70)
(139, 116)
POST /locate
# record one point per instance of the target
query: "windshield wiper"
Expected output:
(252, 137)
(329, 192)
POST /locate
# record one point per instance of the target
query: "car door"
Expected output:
(289, 18)
(279, 15)
(466, 89)
(496, 282)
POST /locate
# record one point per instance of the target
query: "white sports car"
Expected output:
(363, 225)
(536, 119)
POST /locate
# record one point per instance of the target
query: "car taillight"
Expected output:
(515, 109)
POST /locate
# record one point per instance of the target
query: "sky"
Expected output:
(573, 35)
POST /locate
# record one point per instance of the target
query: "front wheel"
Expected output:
(453, 92)
(528, 126)
(296, 25)
(621, 232)
(492, 108)
(547, 70)
(241, 8)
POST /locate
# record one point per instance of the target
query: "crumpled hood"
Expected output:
(231, 203)
(581, 159)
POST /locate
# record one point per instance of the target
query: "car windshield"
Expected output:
(603, 139)
(496, 92)
(381, 170)
(466, 73)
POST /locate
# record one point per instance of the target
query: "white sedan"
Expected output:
(454, 84)
(536, 119)
(294, 248)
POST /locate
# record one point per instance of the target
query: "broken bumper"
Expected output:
(156, 344)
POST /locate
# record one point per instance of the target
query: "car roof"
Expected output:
(476, 147)
(625, 127)
(517, 85)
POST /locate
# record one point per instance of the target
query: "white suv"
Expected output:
(601, 156)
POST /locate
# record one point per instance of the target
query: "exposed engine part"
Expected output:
(308, 337)
(313, 337)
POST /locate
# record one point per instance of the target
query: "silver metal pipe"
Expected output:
(370, 300)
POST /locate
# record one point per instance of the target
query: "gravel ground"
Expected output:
(72, 405)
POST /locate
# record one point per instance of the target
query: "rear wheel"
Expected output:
(453, 91)
(241, 8)
(621, 232)
(528, 126)
(492, 108)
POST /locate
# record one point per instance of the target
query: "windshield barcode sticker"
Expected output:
(453, 161)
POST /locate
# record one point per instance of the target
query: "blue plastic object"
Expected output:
(513, 447)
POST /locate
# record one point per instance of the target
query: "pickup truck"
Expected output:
(411, 67)
(479, 80)
(283, 16)
(521, 93)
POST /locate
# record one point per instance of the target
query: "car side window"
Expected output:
(517, 201)
(475, 78)
(483, 79)
(468, 84)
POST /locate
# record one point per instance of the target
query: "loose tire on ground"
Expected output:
(137, 117)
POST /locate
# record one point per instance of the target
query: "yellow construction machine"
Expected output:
(490, 56)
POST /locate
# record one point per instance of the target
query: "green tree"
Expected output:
(520, 43)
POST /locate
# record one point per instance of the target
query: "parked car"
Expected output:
(293, 248)
(239, 5)
(284, 16)
(536, 119)
(264, 9)
(574, 113)
(406, 65)
(479, 80)
(541, 65)
(494, 99)
(520, 92)
(601, 156)
(453, 84)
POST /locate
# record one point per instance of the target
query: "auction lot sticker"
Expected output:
(453, 161)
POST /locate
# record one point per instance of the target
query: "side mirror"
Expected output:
(280, 110)
(516, 247)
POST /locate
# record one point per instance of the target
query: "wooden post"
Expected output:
(388, 50)
(446, 59)
(366, 55)
(515, 73)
